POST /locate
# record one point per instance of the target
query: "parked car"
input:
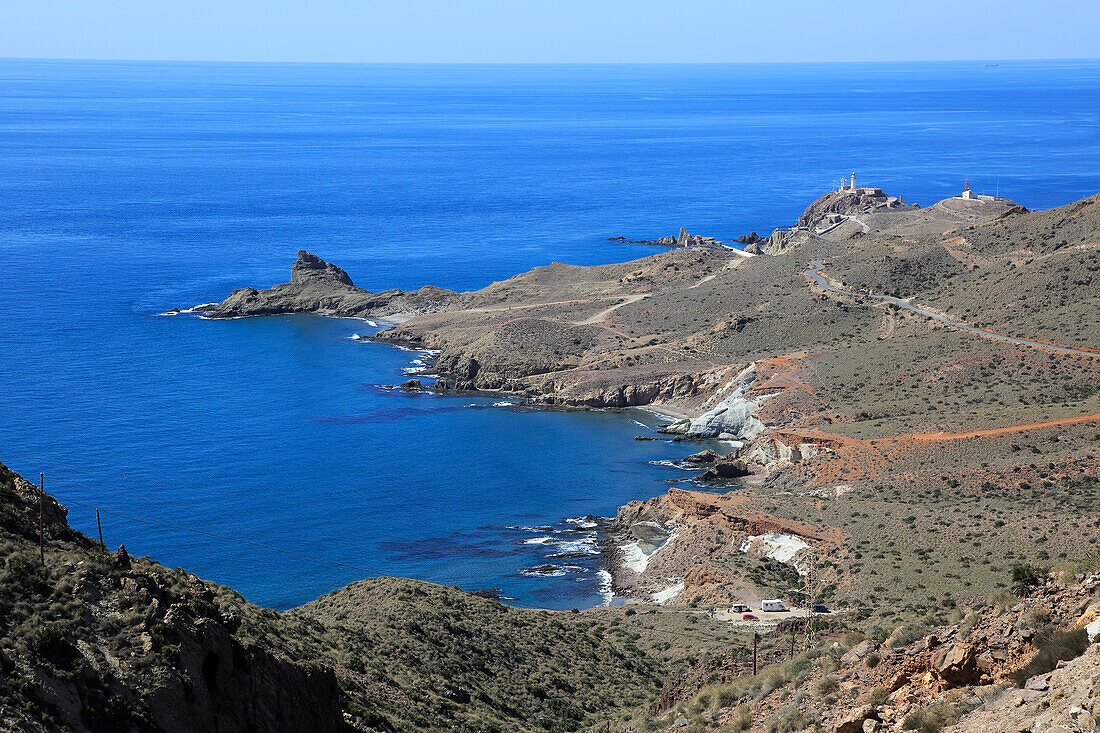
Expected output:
(774, 605)
(820, 608)
(740, 608)
(749, 617)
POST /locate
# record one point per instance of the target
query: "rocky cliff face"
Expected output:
(704, 546)
(731, 419)
(844, 202)
(657, 388)
(321, 288)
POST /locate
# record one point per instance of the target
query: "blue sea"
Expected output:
(127, 189)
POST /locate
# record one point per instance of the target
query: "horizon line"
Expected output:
(547, 63)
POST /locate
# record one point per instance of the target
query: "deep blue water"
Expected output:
(127, 189)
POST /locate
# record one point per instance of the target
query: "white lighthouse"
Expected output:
(853, 181)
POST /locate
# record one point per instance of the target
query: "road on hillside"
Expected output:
(814, 274)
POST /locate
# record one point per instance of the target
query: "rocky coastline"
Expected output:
(321, 288)
(726, 344)
(681, 239)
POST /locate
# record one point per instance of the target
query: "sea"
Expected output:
(269, 454)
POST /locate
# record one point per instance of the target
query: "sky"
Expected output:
(549, 31)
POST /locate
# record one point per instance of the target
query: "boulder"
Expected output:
(122, 558)
(726, 469)
(959, 665)
(853, 721)
(859, 652)
(707, 457)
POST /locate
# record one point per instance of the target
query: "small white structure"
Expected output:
(774, 605)
(853, 180)
(740, 608)
(967, 193)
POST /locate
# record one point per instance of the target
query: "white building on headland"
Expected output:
(848, 185)
(969, 195)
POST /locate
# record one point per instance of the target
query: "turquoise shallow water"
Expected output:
(128, 189)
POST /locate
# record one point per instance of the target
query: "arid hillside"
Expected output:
(101, 641)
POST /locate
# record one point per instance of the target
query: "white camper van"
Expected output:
(740, 608)
(773, 605)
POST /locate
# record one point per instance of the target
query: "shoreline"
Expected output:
(664, 411)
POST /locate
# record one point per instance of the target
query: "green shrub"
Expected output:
(907, 634)
(1055, 645)
(877, 696)
(741, 722)
(826, 685)
(1025, 578)
(27, 577)
(1034, 617)
(50, 643)
(934, 718)
(788, 720)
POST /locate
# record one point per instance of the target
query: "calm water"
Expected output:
(128, 189)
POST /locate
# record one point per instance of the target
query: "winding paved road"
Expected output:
(814, 274)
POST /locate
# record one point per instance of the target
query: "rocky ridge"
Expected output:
(321, 288)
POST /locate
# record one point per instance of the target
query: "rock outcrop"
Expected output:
(732, 419)
(322, 288)
(719, 467)
(780, 241)
(844, 202)
(682, 239)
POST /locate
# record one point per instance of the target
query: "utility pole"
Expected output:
(100, 525)
(810, 600)
(42, 517)
(755, 641)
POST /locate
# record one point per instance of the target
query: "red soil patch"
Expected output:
(855, 458)
(732, 512)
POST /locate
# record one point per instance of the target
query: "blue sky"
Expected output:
(549, 31)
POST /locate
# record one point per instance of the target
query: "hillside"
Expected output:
(102, 641)
(1008, 664)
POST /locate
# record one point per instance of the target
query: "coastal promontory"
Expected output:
(322, 288)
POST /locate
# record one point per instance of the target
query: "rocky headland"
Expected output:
(321, 288)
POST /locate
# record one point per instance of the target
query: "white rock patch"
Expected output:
(668, 593)
(634, 558)
(777, 546)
